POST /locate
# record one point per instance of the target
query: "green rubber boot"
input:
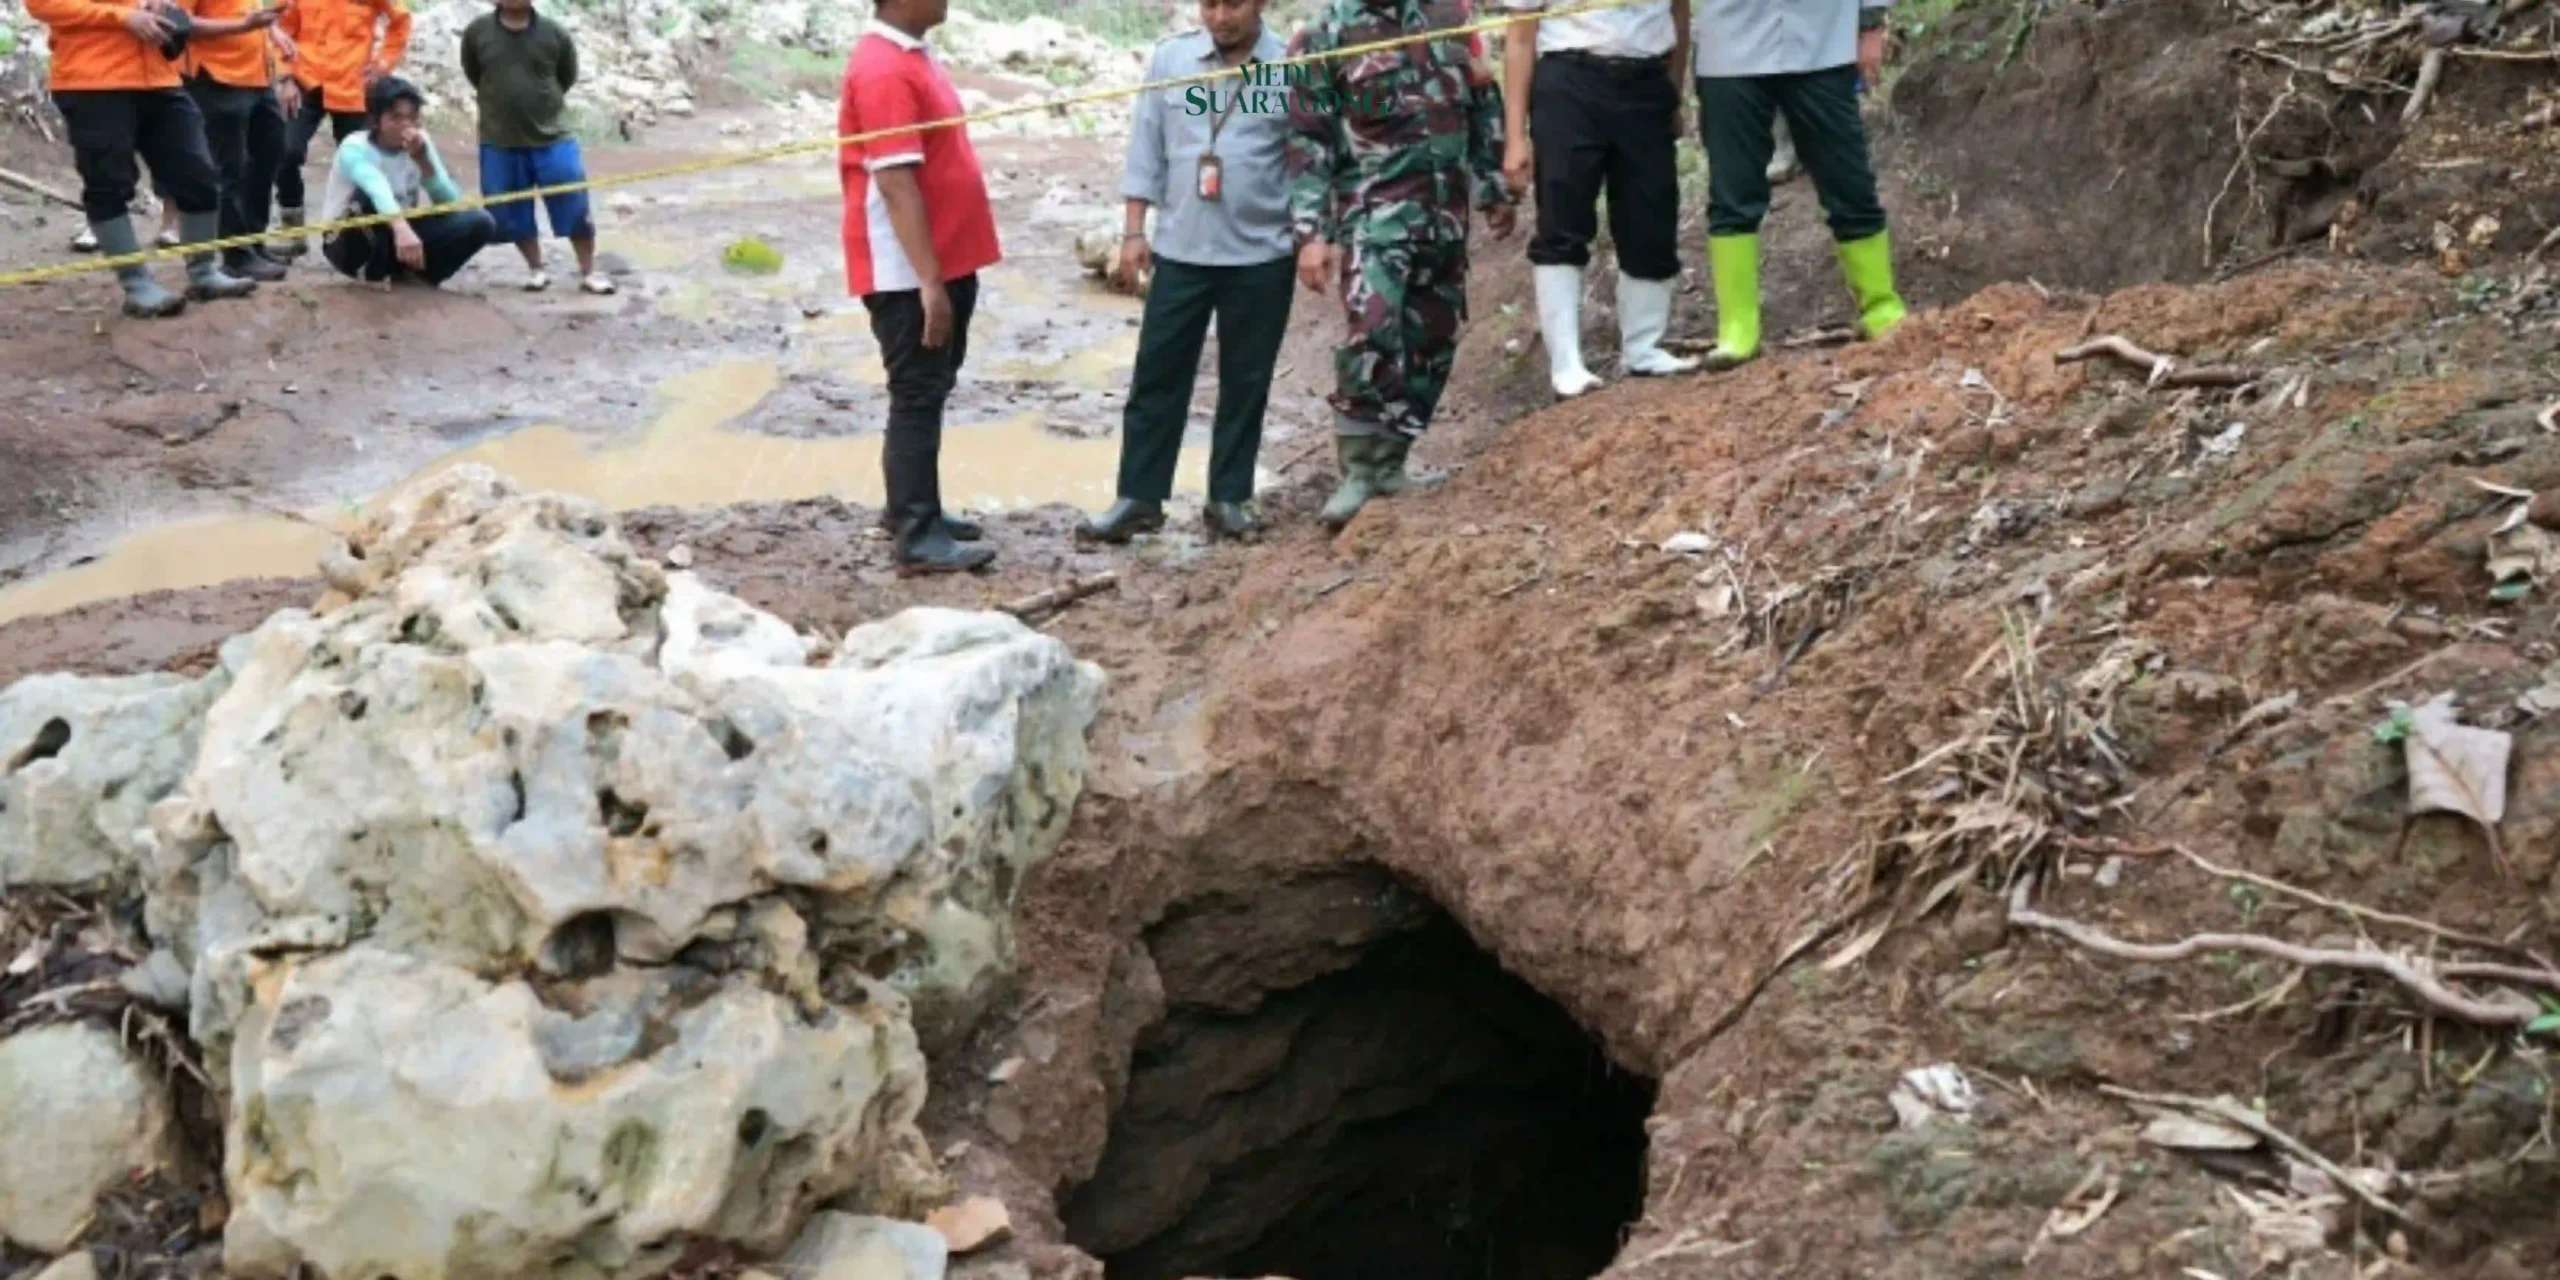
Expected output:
(1359, 458)
(1868, 264)
(1735, 262)
(144, 299)
(1391, 476)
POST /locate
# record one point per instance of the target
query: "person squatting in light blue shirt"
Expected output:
(390, 167)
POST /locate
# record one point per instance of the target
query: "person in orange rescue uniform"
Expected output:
(340, 46)
(115, 80)
(233, 78)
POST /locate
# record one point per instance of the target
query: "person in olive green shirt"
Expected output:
(522, 65)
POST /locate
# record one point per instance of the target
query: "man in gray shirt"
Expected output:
(1207, 157)
(1757, 60)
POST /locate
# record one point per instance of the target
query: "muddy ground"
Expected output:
(1948, 614)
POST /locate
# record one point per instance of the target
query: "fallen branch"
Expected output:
(1837, 335)
(1062, 595)
(54, 1005)
(2231, 1113)
(2430, 70)
(30, 185)
(2241, 161)
(2508, 55)
(2336, 79)
(2162, 371)
(2418, 977)
(1804, 945)
(2233, 271)
(2550, 976)
(2549, 419)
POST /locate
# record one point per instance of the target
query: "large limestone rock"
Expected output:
(394, 1116)
(82, 760)
(542, 910)
(519, 733)
(77, 1116)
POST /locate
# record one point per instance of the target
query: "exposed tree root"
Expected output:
(2418, 977)
(2162, 371)
(2546, 973)
(2430, 71)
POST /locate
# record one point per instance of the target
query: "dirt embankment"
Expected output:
(1947, 614)
(2098, 146)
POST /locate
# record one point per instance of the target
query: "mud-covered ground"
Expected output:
(1638, 786)
(1944, 615)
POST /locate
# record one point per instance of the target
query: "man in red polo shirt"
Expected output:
(917, 230)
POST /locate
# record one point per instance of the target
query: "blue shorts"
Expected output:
(509, 169)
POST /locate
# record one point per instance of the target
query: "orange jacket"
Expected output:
(247, 59)
(336, 40)
(92, 50)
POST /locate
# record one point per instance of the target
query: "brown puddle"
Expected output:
(1100, 367)
(687, 458)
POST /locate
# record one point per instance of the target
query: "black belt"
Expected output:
(1615, 66)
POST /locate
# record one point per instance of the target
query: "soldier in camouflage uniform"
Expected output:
(1385, 150)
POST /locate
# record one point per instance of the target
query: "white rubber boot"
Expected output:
(1644, 313)
(1560, 324)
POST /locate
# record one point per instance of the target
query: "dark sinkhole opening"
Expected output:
(1343, 1086)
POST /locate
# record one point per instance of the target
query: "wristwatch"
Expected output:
(1870, 19)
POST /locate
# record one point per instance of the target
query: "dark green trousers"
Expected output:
(1735, 118)
(1251, 305)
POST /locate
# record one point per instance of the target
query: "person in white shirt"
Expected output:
(1593, 101)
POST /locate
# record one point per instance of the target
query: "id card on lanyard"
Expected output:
(1211, 182)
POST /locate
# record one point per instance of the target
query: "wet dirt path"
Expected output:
(228, 444)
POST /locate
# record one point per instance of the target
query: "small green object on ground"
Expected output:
(752, 256)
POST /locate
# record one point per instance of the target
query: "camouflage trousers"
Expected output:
(1406, 301)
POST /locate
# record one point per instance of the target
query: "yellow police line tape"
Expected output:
(34, 275)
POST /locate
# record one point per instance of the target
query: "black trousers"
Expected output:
(1606, 124)
(1251, 305)
(1735, 116)
(920, 382)
(244, 130)
(299, 132)
(450, 239)
(110, 128)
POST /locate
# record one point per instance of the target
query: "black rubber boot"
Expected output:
(1126, 519)
(959, 529)
(206, 280)
(925, 545)
(249, 264)
(144, 299)
(288, 243)
(1230, 521)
